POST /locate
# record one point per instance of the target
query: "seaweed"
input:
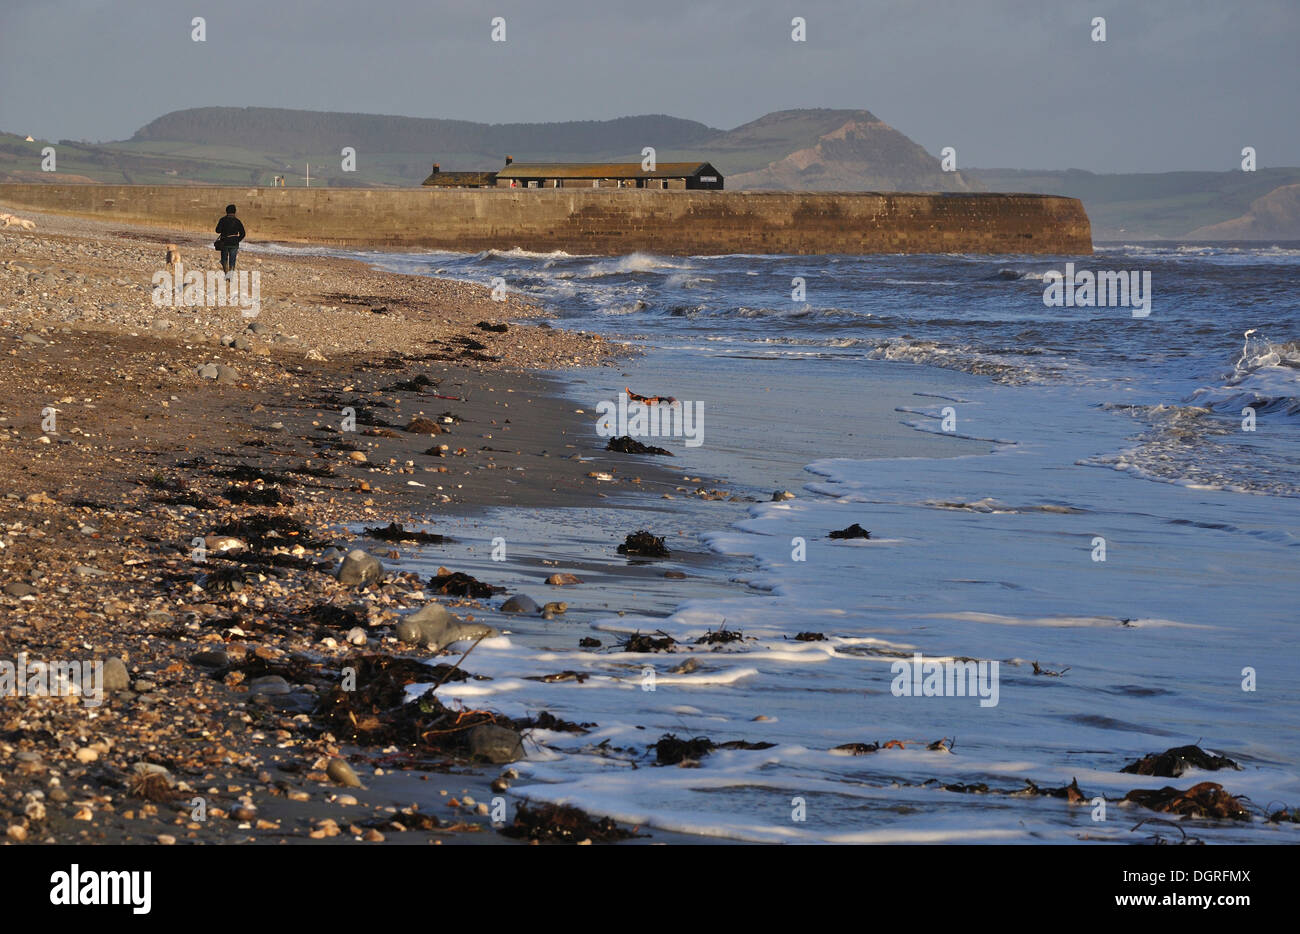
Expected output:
(260, 529)
(853, 531)
(720, 637)
(857, 749)
(1172, 763)
(335, 617)
(626, 444)
(374, 713)
(548, 721)
(639, 643)
(459, 584)
(416, 383)
(1207, 799)
(246, 473)
(643, 544)
(563, 823)
(394, 532)
(670, 750)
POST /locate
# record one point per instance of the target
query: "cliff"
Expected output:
(1275, 216)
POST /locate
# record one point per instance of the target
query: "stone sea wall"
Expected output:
(604, 221)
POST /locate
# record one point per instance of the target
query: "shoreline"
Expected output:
(145, 456)
(510, 465)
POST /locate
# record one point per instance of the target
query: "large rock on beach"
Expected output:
(497, 744)
(359, 568)
(433, 626)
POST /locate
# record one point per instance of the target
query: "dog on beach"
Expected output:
(15, 221)
(173, 257)
(649, 400)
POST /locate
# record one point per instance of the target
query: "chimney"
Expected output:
(436, 168)
(509, 159)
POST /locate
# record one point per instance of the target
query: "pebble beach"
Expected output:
(181, 507)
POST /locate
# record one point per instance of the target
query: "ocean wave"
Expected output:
(1265, 378)
(1193, 446)
(970, 359)
(632, 263)
(996, 507)
(625, 309)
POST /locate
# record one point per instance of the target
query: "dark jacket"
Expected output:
(231, 230)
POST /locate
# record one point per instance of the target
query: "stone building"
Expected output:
(440, 179)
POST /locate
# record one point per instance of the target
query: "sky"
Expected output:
(1178, 84)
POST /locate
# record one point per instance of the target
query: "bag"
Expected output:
(216, 245)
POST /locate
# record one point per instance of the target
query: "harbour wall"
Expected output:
(605, 221)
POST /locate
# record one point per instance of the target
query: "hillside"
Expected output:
(846, 150)
(816, 148)
(1275, 216)
(302, 132)
(1176, 205)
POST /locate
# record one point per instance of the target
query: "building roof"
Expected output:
(460, 179)
(529, 170)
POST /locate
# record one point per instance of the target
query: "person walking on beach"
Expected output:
(230, 231)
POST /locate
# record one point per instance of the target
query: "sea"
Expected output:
(1086, 521)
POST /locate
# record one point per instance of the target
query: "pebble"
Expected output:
(211, 658)
(116, 677)
(520, 603)
(269, 684)
(342, 774)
